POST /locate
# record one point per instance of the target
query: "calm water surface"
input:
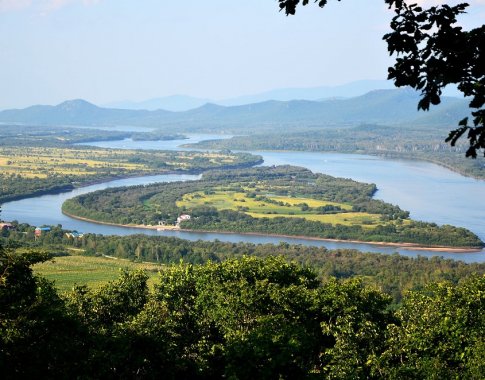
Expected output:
(430, 192)
(160, 145)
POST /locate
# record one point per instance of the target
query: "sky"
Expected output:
(112, 50)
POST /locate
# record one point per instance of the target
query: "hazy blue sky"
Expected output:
(109, 50)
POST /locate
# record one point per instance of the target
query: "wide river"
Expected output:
(431, 193)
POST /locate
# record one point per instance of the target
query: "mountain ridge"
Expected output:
(396, 106)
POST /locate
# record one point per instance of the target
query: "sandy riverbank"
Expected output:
(409, 246)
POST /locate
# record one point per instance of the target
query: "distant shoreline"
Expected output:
(406, 246)
(389, 155)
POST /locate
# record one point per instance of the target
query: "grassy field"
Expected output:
(272, 206)
(41, 162)
(350, 218)
(68, 271)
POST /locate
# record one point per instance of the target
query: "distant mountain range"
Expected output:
(178, 103)
(347, 90)
(175, 103)
(397, 106)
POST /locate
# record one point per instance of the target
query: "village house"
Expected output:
(74, 235)
(40, 230)
(6, 226)
(182, 218)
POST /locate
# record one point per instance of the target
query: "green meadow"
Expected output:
(272, 206)
(68, 271)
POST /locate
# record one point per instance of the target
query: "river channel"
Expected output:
(431, 193)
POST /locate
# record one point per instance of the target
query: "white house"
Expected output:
(182, 218)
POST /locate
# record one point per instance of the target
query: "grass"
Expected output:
(42, 162)
(310, 202)
(288, 207)
(94, 272)
(351, 218)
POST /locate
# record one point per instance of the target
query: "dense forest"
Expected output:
(241, 318)
(365, 219)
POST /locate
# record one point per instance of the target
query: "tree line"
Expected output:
(392, 274)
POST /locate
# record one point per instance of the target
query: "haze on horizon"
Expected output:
(111, 50)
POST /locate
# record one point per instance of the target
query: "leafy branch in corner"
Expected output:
(433, 52)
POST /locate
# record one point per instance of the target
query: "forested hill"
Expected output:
(381, 106)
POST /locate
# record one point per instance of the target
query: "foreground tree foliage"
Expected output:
(38, 339)
(246, 318)
(440, 332)
(433, 51)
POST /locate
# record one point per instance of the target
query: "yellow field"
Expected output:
(350, 218)
(310, 202)
(290, 207)
(41, 162)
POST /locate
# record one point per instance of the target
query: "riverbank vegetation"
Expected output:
(55, 136)
(205, 321)
(281, 200)
(65, 136)
(27, 171)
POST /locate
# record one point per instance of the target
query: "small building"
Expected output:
(183, 218)
(74, 235)
(40, 230)
(6, 226)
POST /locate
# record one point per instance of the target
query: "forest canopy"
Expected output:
(244, 319)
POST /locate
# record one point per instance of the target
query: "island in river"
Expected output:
(282, 200)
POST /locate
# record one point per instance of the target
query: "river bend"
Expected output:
(431, 193)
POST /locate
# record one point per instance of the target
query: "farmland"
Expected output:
(68, 271)
(42, 162)
(27, 171)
